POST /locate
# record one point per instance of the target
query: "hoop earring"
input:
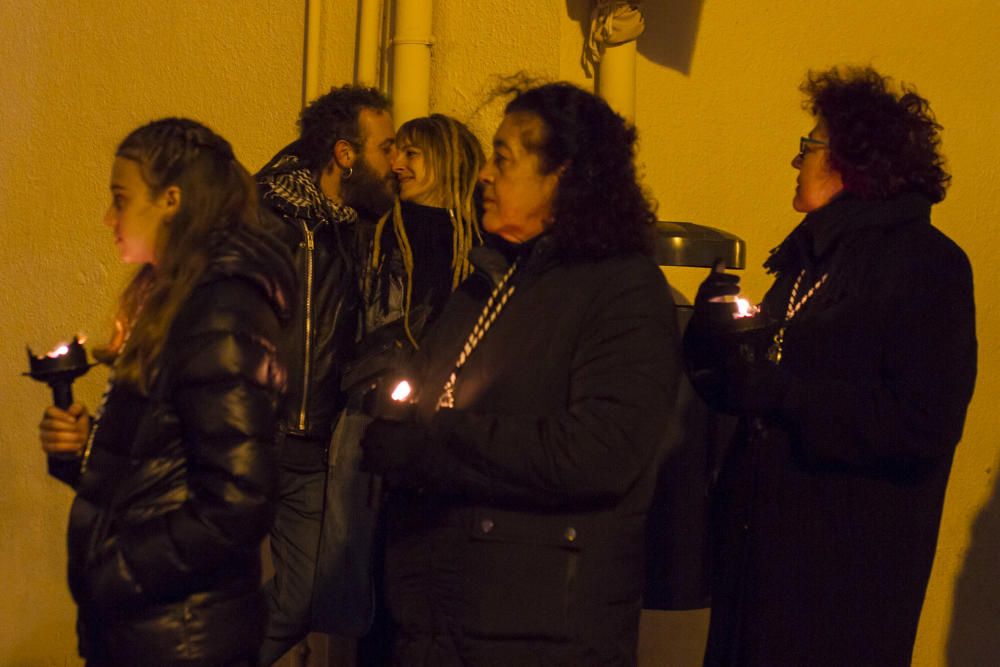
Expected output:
(347, 174)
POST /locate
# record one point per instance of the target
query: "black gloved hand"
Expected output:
(730, 369)
(389, 447)
(712, 291)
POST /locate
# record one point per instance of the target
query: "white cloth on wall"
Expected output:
(612, 22)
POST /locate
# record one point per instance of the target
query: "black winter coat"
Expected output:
(178, 490)
(827, 509)
(519, 539)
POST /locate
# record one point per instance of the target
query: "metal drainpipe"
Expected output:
(369, 32)
(616, 78)
(310, 65)
(411, 60)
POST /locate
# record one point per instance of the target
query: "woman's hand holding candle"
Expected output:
(63, 433)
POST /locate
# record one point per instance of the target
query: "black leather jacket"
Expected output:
(383, 342)
(321, 237)
(179, 486)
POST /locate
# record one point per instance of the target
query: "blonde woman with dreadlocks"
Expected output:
(175, 478)
(420, 249)
(415, 256)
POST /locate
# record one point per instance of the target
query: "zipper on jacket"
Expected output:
(307, 328)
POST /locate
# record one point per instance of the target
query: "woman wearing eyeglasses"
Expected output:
(852, 385)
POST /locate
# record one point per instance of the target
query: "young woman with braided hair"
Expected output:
(175, 477)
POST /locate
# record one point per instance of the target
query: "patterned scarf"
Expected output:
(289, 188)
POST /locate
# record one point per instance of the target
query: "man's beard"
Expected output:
(366, 193)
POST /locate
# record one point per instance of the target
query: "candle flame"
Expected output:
(402, 391)
(58, 351)
(744, 308)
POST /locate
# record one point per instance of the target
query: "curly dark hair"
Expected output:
(332, 117)
(600, 209)
(882, 143)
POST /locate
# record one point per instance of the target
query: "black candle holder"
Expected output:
(59, 368)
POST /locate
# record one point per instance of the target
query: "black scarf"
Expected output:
(842, 239)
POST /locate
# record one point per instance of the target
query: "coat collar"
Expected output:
(823, 230)
(494, 258)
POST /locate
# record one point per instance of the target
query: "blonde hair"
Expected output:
(454, 158)
(217, 193)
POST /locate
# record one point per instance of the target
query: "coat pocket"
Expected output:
(521, 579)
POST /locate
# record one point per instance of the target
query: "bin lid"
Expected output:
(689, 244)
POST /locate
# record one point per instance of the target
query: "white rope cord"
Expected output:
(498, 299)
(774, 353)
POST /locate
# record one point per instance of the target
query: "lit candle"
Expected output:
(744, 308)
(402, 391)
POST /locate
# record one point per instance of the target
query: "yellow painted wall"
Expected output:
(719, 117)
(75, 77)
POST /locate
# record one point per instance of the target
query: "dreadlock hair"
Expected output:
(217, 193)
(453, 158)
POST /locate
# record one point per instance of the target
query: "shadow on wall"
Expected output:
(974, 638)
(671, 29)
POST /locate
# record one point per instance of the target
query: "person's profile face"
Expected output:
(517, 197)
(371, 187)
(415, 175)
(135, 215)
(818, 182)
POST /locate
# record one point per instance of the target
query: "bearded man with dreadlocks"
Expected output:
(318, 193)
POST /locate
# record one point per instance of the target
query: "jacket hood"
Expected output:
(286, 186)
(253, 254)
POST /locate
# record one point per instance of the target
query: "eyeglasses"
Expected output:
(806, 142)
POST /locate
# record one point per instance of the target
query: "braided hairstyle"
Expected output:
(217, 194)
(453, 158)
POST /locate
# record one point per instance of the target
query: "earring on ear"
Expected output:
(347, 174)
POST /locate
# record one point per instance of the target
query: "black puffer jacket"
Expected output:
(177, 493)
(322, 237)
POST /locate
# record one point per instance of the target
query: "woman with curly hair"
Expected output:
(175, 478)
(852, 384)
(520, 487)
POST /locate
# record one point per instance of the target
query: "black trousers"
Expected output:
(294, 539)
